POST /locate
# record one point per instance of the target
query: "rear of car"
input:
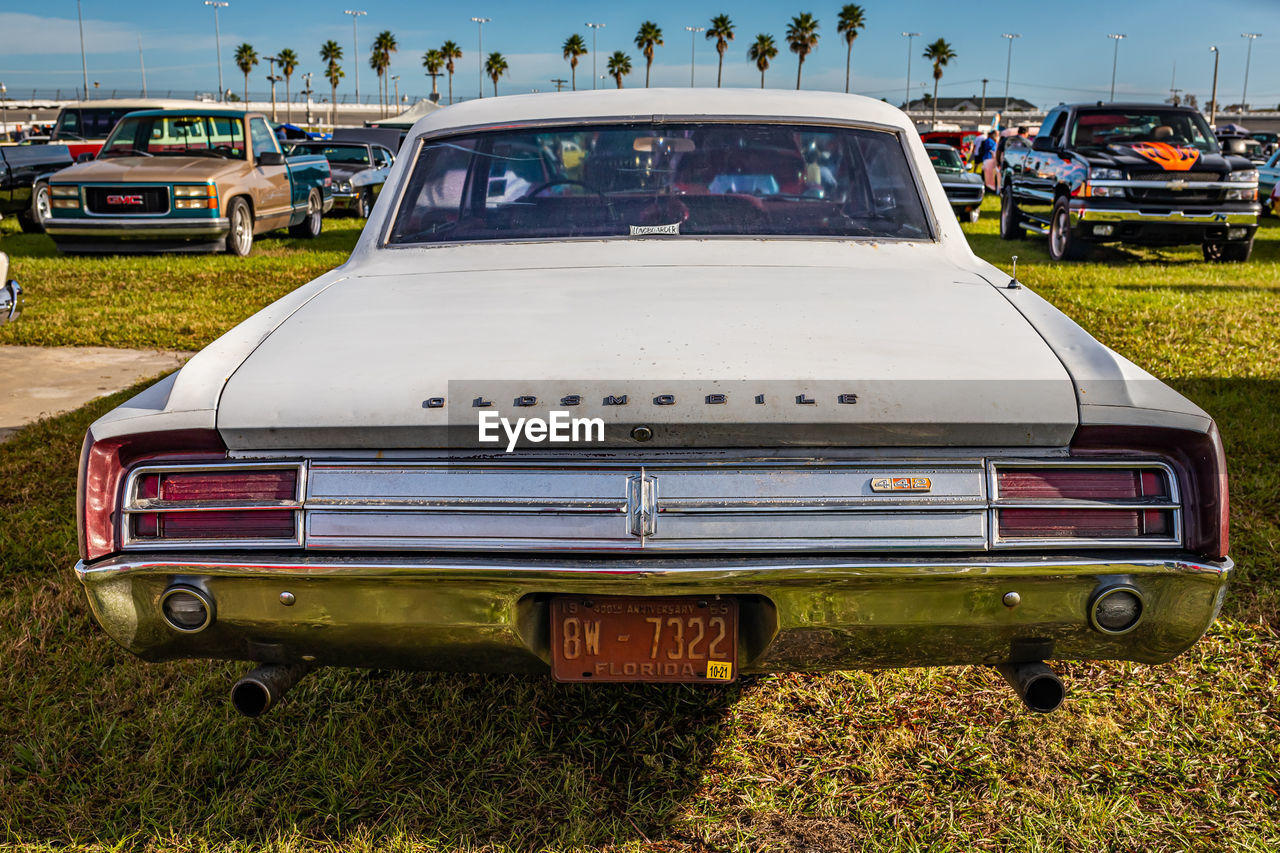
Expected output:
(804, 428)
(85, 125)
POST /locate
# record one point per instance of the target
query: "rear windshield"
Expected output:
(92, 123)
(625, 180)
(1109, 126)
(177, 136)
(945, 159)
(358, 154)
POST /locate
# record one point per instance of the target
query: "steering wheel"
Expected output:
(555, 182)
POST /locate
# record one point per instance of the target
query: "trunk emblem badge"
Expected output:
(901, 484)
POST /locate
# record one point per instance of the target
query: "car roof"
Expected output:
(195, 111)
(1128, 105)
(673, 104)
(136, 103)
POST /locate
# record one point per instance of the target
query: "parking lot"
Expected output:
(102, 748)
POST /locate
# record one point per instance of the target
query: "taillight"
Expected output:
(103, 464)
(1197, 460)
(1116, 503)
(245, 503)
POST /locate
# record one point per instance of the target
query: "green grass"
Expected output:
(98, 749)
(170, 301)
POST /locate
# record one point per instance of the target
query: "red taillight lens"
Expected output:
(1098, 484)
(102, 468)
(1086, 503)
(236, 504)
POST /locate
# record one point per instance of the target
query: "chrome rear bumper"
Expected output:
(481, 614)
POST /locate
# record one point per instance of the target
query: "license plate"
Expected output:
(625, 638)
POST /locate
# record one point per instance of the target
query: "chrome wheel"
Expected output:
(240, 235)
(42, 206)
(1058, 233)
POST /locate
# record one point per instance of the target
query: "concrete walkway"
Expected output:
(36, 382)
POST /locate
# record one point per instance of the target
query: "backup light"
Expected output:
(1117, 610)
(186, 609)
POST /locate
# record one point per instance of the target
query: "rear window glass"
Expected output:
(697, 179)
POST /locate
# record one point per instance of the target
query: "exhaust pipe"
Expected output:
(258, 692)
(1039, 688)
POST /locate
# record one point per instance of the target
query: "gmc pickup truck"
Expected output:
(1149, 174)
(24, 188)
(187, 180)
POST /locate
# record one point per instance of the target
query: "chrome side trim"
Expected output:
(1095, 214)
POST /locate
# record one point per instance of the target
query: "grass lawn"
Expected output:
(99, 749)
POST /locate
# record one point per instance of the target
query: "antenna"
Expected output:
(1013, 281)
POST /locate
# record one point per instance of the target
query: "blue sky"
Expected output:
(1063, 52)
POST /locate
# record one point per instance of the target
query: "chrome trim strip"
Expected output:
(129, 228)
(1097, 214)
(1177, 185)
(700, 568)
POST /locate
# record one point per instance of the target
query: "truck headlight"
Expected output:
(195, 197)
(1099, 174)
(198, 191)
(1244, 176)
(1250, 194)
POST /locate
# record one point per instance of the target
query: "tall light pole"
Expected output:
(693, 41)
(480, 22)
(4, 117)
(142, 66)
(274, 78)
(909, 36)
(1115, 58)
(1008, 66)
(593, 27)
(395, 78)
(1213, 98)
(982, 110)
(355, 39)
(1244, 96)
(217, 38)
(84, 66)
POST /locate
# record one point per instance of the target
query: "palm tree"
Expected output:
(574, 47)
(246, 58)
(495, 65)
(802, 35)
(761, 52)
(852, 18)
(330, 53)
(383, 46)
(433, 61)
(619, 66)
(721, 30)
(939, 53)
(288, 65)
(450, 51)
(648, 37)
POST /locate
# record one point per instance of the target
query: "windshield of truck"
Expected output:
(177, 136)
(1109, 126)
(93, 123)
(945, 158)
(638, 180)
(354, 154)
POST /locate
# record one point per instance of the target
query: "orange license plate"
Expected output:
(626, 638)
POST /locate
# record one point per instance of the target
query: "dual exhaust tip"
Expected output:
(1039, 688)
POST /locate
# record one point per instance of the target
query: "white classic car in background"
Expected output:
(817, 432)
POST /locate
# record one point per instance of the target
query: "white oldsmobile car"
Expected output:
(657, 386)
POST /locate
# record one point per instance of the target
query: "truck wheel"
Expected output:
(240, 235)
(32, 221)
(1010, 221)
(1228, 252)
(310, 226)
(1064, 245)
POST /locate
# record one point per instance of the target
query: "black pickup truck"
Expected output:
(23, 188)
(1149, 174)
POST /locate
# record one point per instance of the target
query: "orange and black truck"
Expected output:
(1147, 174)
